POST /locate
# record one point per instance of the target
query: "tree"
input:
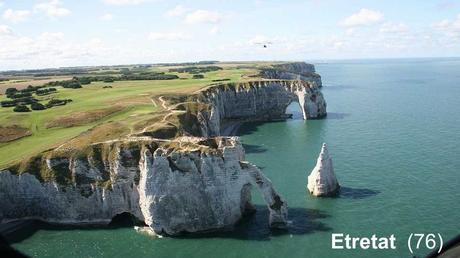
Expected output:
(72, 85)
(11, 91)
(21, 108)
(37, 106)
(8, 103)
(108, 79)
(57, 102)
(84, 80)
(20, 95)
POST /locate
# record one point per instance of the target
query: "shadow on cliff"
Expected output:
(256, 227)
(27, 228)
(249, 128)
(356, 193)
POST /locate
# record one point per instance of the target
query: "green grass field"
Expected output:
(127, 103)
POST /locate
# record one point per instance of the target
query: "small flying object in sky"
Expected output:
(264, 44)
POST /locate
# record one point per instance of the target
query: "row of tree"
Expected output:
(127, 77)
(24, 96)
(196, 69)
(13, 93)
(74, 83)
(77, 82)
(22, 107)
(19, 99)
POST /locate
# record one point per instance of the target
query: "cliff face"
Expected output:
(185, 185)
(293, 71)
(91, 186)
(195, 192)
(258, 101)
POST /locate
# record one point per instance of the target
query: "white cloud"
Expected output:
(52, 8)
(364, 17)
(51, 36)
(124, 2)
(16, 16)
(442, 24)
(49, 49)
(447, 32)
(106, 17)
(397, 28)
(448, 26)
(214, 30)
(203, 16)
(179, 10)
(5, 30)
(350, 31)
(338, 45)
(169, 36)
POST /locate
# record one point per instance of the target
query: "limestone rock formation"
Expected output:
(293, 71)
(322, 180)
(184, 185)
(258, 101)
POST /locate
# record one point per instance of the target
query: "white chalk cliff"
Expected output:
(204, 186)
(258, 101)
(293, 71)
(322, 180)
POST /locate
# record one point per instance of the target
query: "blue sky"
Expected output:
(54, 33)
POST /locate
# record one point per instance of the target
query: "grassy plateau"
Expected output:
(100, 110)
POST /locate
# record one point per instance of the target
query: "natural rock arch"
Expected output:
(258, 101)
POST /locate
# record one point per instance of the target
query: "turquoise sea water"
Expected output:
(393, 131)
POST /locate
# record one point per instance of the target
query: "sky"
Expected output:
(58, 33)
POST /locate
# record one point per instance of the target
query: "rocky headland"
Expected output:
(177, 174)
(293, 71)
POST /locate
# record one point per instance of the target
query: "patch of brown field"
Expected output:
(81, 118)
(11, 133)
(23, 83)
(152, 119)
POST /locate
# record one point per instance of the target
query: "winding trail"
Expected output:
(163, 103)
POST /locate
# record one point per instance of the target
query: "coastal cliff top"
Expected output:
(73, 108)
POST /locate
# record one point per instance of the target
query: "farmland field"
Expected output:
(119, 107)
